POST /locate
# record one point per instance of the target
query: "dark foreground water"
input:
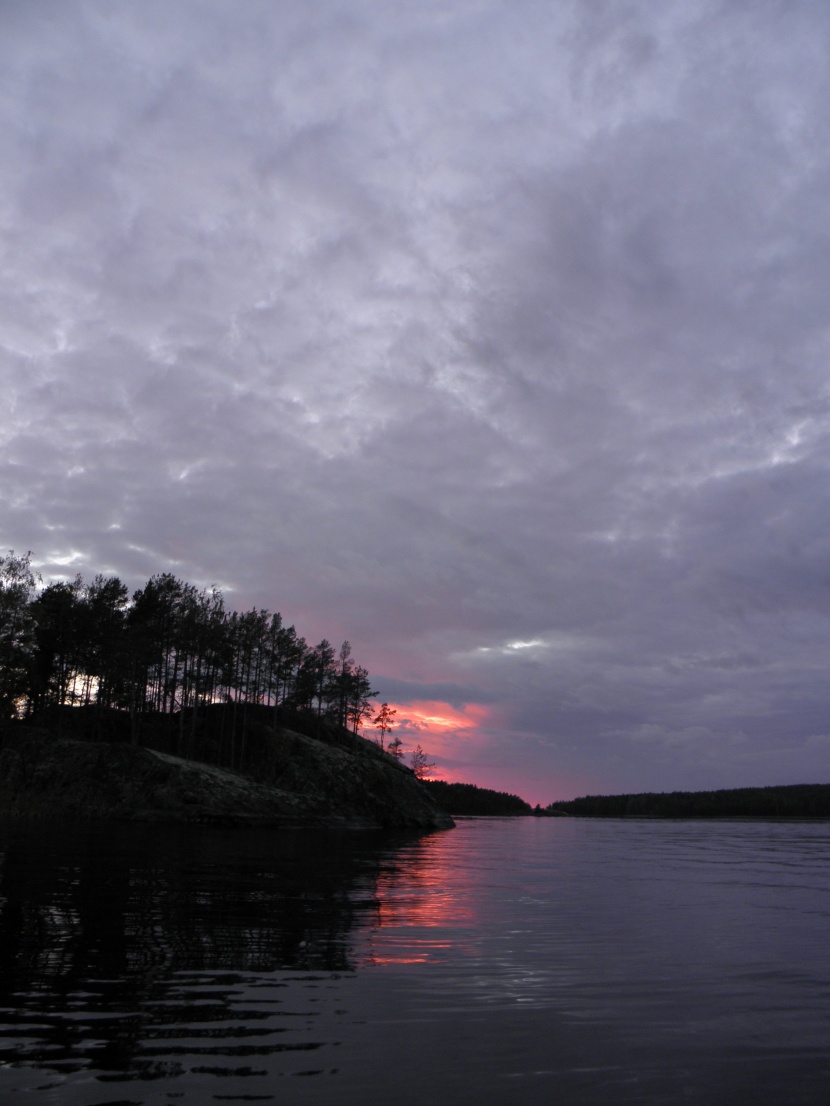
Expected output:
(504, 962)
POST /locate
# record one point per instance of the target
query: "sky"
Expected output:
(491, 337)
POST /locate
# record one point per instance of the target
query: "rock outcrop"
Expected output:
(307, 782)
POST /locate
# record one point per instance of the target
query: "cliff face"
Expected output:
(306, 782)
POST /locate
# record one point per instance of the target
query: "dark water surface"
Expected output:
(503, 962)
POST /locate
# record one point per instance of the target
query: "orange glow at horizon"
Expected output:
(435, 716)
(442, 730)
(464, 744)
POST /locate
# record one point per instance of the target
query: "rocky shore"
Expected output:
(309, 783)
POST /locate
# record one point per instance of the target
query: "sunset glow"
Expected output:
(465, 743)
(437, 717)
(442, 730)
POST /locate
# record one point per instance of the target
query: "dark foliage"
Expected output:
(467, 798)
(169, 667)
(794, 801)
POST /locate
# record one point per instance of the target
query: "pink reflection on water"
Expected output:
(421, 907)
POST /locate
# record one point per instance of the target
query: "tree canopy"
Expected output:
(171, 648)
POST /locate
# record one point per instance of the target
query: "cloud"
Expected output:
(492, 340)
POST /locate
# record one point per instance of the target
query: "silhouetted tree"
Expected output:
(325, 674)
(102, 649)
(17, 631)
(170, 650)
(358, 697)
(339, 695)
(56, 662)
(383, 720)
(420, 764)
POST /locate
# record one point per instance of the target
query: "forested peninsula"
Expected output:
(791, 801)
(469, 799)
(165, 705)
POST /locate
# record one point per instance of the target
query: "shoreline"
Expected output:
(47, 777)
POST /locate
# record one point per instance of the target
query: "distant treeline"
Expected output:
(794, 801)
(170, 649)
(466, 798)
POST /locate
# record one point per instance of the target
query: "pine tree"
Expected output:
(383, 720)
(421, 766)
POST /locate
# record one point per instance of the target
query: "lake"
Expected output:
(503, 962)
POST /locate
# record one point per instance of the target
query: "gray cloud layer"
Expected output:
(492, 337)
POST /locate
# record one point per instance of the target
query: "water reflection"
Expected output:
(137, 902)
(125, 950)
(499, 964)
(423, 906)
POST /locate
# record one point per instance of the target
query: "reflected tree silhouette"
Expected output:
(135, 929)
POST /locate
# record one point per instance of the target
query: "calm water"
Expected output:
(503, 962)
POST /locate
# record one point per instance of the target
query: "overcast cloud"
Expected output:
(493, 337)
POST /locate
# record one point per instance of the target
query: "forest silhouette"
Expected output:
(169, 662)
